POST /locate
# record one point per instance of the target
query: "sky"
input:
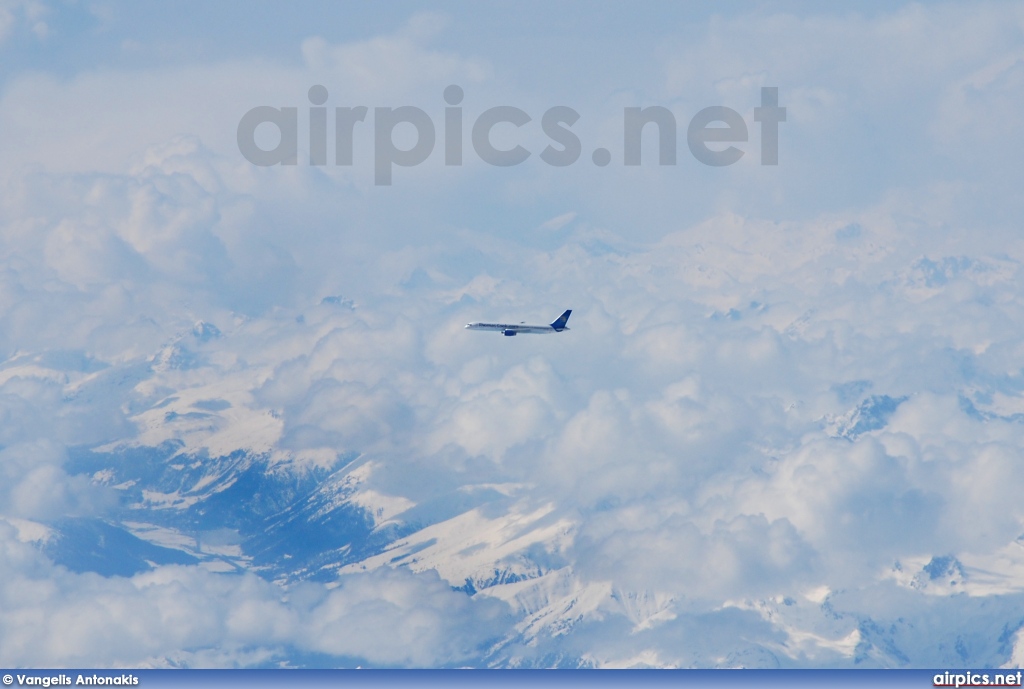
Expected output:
(779, 379)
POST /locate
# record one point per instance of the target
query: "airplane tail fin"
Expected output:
(560, 322)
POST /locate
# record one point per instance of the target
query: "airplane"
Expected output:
(508, 330)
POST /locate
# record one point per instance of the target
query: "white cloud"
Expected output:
(37, 487)
(29, 12)
(559, 221)
(59, 619)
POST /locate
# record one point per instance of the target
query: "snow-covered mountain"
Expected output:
(214, 475)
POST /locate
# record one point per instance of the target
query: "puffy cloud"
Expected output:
(31, 13)
(59, 619)
(647, 548)
(36, 486)
(395, 618)
(491, 417)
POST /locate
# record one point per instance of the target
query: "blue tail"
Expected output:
(560, 322)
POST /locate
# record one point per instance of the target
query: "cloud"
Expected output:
(559, 221)
(644, 549)
(29, 12)
(36, 485)
(395, 618)
(388, 618)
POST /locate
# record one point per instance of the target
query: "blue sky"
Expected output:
(783, 383)
(879, 98)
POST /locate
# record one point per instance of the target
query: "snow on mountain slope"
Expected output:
(220, 467)
(765, 435)
(476, 550)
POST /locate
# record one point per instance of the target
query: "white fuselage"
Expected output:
(515, 329)
(510, 329)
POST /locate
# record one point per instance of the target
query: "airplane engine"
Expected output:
(508, 333)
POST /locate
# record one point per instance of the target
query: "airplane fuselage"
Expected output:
(515, 329)
(511, 329)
